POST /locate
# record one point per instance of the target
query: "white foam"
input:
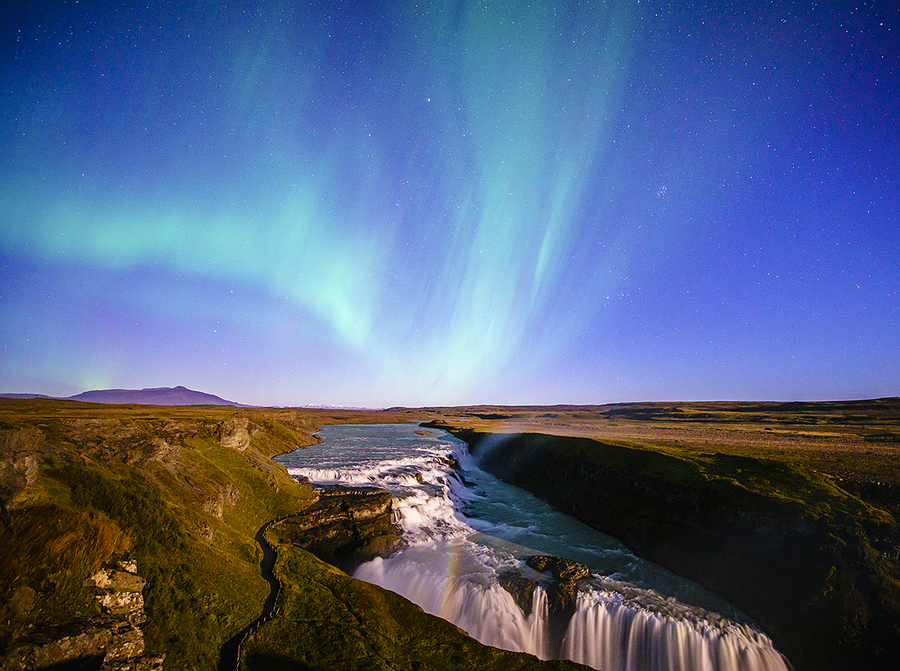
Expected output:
(607, 633)
(616, 627)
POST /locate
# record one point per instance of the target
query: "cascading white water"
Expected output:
(462, 533)
(441, 578)
(605, 633)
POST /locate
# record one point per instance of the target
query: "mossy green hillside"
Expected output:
(154, 484)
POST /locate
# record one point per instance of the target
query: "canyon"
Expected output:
(790, 512)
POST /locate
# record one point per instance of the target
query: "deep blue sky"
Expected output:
(366, 203)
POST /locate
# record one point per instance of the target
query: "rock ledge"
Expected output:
(112, 642)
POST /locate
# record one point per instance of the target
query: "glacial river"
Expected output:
(462, 532)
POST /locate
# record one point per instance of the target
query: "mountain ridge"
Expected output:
(179, 395)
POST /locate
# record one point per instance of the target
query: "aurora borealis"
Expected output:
(386, 203)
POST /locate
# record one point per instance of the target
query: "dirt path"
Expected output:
(231, 650)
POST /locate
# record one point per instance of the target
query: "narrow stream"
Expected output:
(464, 528)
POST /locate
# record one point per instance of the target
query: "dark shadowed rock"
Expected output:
(520, 587)
(561, 591)
(564, 570)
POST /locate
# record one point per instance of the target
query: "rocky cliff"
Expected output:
(345, 526)
(112, 641)
(814, 565)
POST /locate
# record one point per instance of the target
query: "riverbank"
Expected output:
(814, 564)
(180, 493)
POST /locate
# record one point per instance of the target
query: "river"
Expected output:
(463, 528)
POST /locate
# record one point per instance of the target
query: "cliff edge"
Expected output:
(816, 566)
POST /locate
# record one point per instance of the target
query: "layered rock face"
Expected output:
(112, 642)
(345, 526)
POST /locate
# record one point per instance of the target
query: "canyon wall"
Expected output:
(815, 566)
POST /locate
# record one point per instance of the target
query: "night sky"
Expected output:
(414, 203)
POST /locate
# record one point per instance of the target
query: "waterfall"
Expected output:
(606, 634)
(462, 533)
(608, 631)
(471, 601)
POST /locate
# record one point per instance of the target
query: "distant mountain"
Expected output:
(25, 396)
(155, 396)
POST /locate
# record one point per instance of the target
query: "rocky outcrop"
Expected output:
(226, 495)
(345, 526)
(120, 592)
(563, 570)
(100, 648)
(561, 590)
(112, 642)
(235, 433)
(18, 466)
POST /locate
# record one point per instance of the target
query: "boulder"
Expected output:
(564, 570)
